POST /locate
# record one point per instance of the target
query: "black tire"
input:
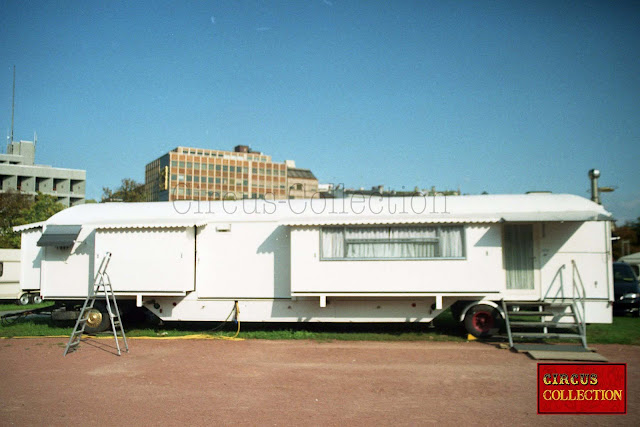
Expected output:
(482, 321)
(24, 299)
(456, 309)
(98, 319)
(35, 299)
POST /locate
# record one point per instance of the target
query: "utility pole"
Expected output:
(13, 101)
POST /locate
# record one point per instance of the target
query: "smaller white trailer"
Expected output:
(10, 271)
(359, 259)
(633, 260)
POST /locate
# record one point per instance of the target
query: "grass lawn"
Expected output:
(8, 306)
(445, 329)
(623, 330)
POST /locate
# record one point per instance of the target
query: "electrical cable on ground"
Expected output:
(236, 310)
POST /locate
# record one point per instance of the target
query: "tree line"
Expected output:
(17, 208)
(626, 239)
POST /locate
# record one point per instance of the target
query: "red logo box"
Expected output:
(581, 388)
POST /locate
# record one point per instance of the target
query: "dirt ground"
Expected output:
(254, 382)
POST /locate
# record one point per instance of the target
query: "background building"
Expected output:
(19, 173)
(334, 191)
(199, 174)
(301, 183)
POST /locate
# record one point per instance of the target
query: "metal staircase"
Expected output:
(543, 319)
(561, 318)
(102, 285)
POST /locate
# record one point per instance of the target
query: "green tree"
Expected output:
(628, 239)
(129, 191)
(43, 208)
(11, 205)
(19, 209)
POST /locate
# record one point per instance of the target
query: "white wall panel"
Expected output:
(154, 260)
(30, 259)
(244, 260)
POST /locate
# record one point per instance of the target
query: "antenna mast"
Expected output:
(13, 101)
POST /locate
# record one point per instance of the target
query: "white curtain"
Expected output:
(332, 243)
(518, 248)
(371, 242)
(392, 242)
(451, 242)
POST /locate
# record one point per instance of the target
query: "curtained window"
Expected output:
(395, 242)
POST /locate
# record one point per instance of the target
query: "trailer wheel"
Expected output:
(482, 321)
(36, 299)
(24, 299)
(97, 319)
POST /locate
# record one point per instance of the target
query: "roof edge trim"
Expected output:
(21, 228)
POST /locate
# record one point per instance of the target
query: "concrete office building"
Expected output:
(18, 172)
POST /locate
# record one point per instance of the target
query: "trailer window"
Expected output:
(397, 242)
(1, 268)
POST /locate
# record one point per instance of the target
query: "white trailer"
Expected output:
(358, 259)
(633, 260)
(10, 288)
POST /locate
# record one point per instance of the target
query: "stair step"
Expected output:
(544, 324)
(540, 303)
(543, 335)
(538, 313)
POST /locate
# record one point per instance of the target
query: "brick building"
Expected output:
(187, 173)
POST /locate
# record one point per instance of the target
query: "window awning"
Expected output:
(59, 235)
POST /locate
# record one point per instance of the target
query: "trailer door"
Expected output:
(518, 256)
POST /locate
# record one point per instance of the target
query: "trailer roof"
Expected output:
(631, 258)
(353, 210)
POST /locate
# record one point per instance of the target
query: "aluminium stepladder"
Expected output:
(101, 285)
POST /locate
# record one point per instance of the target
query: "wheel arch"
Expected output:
(481, 302)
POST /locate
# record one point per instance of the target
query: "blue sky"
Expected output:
(496, 96)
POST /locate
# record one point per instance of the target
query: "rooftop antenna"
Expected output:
(13, 101)
(35, 138)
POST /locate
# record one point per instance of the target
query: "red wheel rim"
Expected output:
(483, 321)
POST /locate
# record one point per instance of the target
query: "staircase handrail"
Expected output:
(581, 294)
